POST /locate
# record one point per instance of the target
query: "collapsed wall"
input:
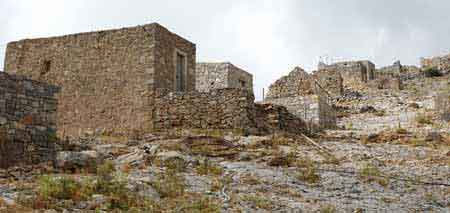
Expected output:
(224, 109)
(27, 121)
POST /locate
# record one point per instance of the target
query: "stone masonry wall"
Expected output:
(106, 76)
(296, 83)
(224, 109)
(210, 76)
(354, 73)
(219, 109)
(27, 121)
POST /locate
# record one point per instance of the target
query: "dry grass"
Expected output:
(206, 167)
(327, 209)
(424, 119)
(370, 173)
(258, 201)
(307, 171)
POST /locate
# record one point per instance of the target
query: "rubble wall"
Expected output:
(219, 109)
(106, 76)
(27, 121)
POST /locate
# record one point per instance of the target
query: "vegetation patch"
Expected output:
(370, 173)
(206, 167)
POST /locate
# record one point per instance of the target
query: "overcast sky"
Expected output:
(266, 38)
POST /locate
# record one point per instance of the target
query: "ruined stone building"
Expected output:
(27, 120)
(210, 76)
(107, 77)
(441, 62)
(352, 72)
(301, 93)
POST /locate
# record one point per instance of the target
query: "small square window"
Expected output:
(46, 66)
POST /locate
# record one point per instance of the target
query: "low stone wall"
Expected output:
(27, 121)
(219, 109)
(224, 109)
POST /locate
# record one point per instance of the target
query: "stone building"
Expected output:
(301, 93)
(442, 62)
(107, 77)
(27, 121)
(210, 76)
(353, 72)
(296, 83)
(393, 70)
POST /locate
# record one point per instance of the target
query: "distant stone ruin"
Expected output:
(442, 63)
(27, 121)
(308, 96)
(352, 72)
(210, 76)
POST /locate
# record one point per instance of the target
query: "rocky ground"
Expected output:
(392, 154)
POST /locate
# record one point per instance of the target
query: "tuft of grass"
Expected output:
(170, 184)
(283, 160)
(307, 171)
(401, 131)
(258, 201)
(206, 167)
(380, 113)
(424, 119)
(202, 205)
(370, 173)
(327, 209)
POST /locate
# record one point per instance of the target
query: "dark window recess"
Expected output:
(180, 78)
(46, 66)
(243, 85)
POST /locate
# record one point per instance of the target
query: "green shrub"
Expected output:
(432, 72)
(57, 187)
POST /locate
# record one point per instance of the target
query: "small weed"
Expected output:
(307, 171)
(283, 160)
(327, 209)
(258, 201)
(170, 184)
(250, 180)
(205, 167)
(424, 119)
(380, 113)
(370, 173)
(202, 205)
